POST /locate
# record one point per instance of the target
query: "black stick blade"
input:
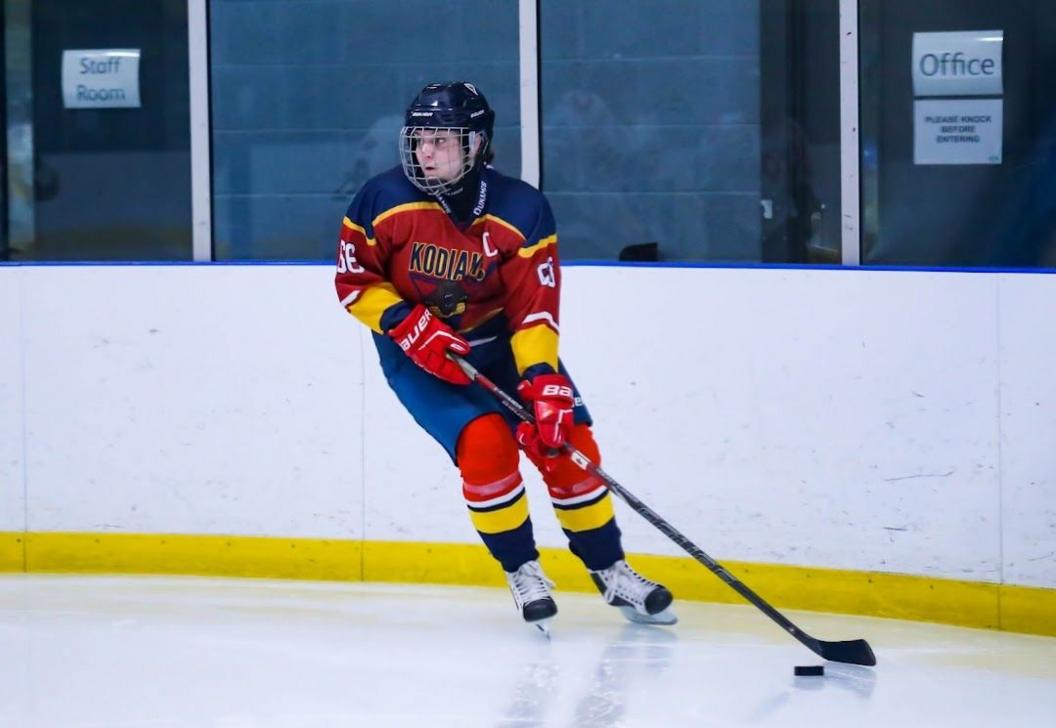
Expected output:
(854, 652)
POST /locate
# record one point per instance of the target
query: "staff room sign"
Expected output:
(100, 79)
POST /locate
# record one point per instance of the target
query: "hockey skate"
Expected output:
(639, 599)
(531, 594)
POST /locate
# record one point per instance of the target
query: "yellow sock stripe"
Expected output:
(586, 517)
(903, 596)
(504, 518)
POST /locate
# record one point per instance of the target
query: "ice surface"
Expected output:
(107, 651)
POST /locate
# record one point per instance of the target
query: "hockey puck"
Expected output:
(809, 670)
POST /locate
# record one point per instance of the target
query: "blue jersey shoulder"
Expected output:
(381, 193)
(520, 204)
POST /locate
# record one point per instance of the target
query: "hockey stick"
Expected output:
(855, 652)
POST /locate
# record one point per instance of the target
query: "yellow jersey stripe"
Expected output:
(496, 219)
(407, 207)
(372, 303)
(535, 345)
(587, 518)
(353, 226)
(530, 250)
(501, 519)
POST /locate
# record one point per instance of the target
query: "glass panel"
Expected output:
(104, 182)
(958, 176)
(10, 89)
(709, 129)
(308, 99)
(18, 197)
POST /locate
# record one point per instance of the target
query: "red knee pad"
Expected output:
(487, 457)
(563, 477)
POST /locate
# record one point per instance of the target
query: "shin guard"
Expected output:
(583, 504)
(493, 490)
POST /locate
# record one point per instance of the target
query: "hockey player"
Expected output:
(445, 254)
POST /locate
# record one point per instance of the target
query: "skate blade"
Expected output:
(667, 617)
(543, 625)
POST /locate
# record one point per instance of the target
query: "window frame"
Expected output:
(531, 143)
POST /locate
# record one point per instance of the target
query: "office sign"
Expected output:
(100, 79)
(957, 131)
(958, 64)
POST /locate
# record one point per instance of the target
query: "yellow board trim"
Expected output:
(12, 552)
(530, 250)
(406, 207)
(963, 603)
(534, 345)
(247, 556)
(372, 303)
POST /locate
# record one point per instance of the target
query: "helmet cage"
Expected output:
(470, 144)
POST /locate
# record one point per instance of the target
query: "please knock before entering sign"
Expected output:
(100, 79)
(961, 131)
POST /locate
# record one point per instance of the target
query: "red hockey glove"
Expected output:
(551, 398)
(427, 339)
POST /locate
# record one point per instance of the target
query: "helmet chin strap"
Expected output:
(466, 202)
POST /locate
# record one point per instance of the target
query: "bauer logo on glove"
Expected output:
(552, 401)
(557, 390)
(427, 340)
(412, 336)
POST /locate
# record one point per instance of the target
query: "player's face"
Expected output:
(439, 153)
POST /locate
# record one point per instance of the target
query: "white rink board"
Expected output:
(811, 417)
(821, 417)
(177, 399)
(12, 500)
(1028, 428)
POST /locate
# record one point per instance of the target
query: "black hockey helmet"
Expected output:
(455, 106)
(451, 104)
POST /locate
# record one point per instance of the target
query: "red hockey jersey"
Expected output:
(398, 245)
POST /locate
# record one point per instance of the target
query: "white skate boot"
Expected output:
(639, 599)
(531, 594)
